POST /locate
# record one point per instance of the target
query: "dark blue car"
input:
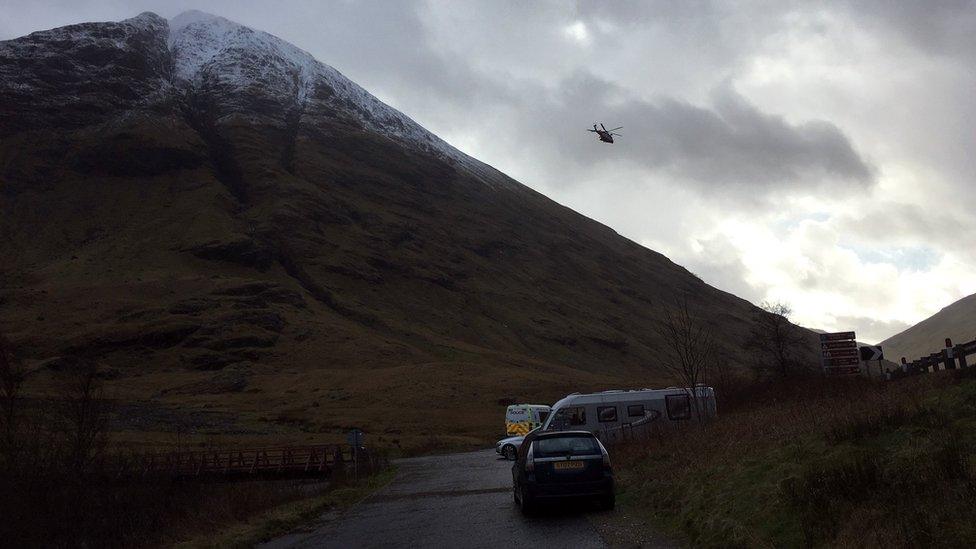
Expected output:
(562, 464)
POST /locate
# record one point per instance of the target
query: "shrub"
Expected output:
(825, 462)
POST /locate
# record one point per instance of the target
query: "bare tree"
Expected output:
(690, 344)
(775, 341)
(721, 371)
(84, 415)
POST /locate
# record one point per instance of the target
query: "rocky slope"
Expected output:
(226, 223)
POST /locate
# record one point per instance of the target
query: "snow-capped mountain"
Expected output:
(248, 72)
(210, 49)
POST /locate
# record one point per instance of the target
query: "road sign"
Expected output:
(871, 352)
(837, 336)
(837, 353)
(839, 344)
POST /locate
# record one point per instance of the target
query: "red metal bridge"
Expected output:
(283, 461)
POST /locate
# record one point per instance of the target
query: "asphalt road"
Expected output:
(457, 500)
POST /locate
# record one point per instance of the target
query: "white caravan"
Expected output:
(615, 415)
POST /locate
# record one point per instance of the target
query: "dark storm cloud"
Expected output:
(730, 145)
(734, 143)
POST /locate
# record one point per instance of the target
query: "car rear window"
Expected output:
(568, 445)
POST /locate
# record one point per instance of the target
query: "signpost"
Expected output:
(839, 354)
(355, 439)
(873, 352)
(838, 336)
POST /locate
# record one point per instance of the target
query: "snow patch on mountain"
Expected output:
(117, 35)
(209, 46)
(114, 69)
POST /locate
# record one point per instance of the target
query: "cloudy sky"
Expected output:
(819, 154)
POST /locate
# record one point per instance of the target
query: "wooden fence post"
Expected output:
(947, 358)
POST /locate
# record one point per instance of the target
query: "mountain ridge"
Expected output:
(215, 242)
(956, 321)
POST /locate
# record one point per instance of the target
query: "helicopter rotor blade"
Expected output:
(615, 129)
(602, 126)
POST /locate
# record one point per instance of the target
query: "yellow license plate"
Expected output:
(568, 465)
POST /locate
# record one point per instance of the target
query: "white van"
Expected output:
(614, 415)
(522, 418)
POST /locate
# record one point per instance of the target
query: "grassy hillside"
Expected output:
(957, 321)
(853, 464)
(242, 268)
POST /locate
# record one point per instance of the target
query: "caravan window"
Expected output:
(635, 410)
(606, 413)
(569, 417)
(679, 406)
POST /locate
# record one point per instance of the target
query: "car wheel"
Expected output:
(525, 503)
(509, 452)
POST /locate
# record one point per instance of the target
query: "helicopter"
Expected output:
(605, 135)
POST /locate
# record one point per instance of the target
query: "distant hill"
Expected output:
(957, 321)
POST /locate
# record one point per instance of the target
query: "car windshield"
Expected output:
(566, 445)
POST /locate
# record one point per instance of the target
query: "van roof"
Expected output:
(622, 395)
(555, 434)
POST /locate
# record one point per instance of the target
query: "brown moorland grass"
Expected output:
(64, 483)
(850, 463)
(45, 504)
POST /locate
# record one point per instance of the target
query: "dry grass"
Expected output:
(853, 463)
(278, 520)
(63, 483)
(98, 511)
(45, 506)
